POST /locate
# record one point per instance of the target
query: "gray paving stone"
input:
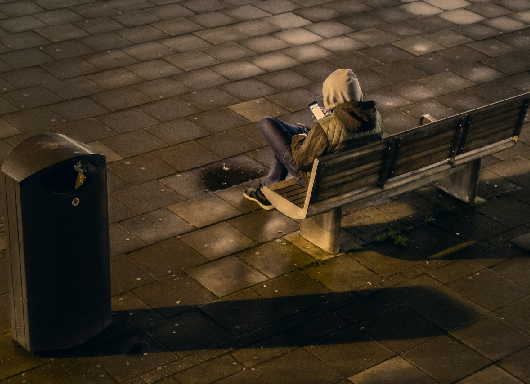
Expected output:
(118, 211)
(492, 337)
(298, 364)
(253, 28)
(114, 78)
(246, 12)
(343, 268)
(171, 28)
(31, 97)
(237, 70)
(68, 68)
(489, 289)
(78, 109)
(25, 58)
(134, 143)
(494, 91)
(136, 17)
(212, 19)
(396, 369)
(372, 37)
(516, 314)
(58, 16)
(140, 169)
(147, 197)
(387, 53)
(169, 109)
(56, 33)
(204, 211)
(262, 44)
(142, 33)
(226, 275)
(23, 40)
(523, 241)
(254, 110)
(507, 210)
(217, 241)
(99, 25)
(127, 120)
(18, 363)
(121, 98)
(32, 120)
(168, 258)
(86, 130)
(247, 89)
(491, 374)
(189, 184)
(195, 331)
(215, 369)
(105, 41)
(21, 24)
(177, 131)
(186, 156)
(66, 49)
(210, 98)
(110, 59)
(161, 88)
(392, 14)
(125, 275)
(460, 360)
(340, 44)
(156, 226)
(263, 225)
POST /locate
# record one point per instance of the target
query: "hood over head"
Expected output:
(341, 86)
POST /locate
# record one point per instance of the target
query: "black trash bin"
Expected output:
(57, 232)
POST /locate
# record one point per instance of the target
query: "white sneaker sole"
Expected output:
(266, 207)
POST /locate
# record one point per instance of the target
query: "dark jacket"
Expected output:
(352, 124)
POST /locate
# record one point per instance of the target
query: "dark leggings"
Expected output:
(279, 134)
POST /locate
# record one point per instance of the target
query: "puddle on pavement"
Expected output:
(224, 175)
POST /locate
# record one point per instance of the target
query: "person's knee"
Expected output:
(266, 123)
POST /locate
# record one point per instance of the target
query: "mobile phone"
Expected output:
(317, 112)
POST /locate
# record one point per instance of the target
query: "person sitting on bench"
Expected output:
(348, 122)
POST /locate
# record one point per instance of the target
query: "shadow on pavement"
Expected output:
(411, 313)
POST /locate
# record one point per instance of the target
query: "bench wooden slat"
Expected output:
(441, 139)
(499, 108)
(421, 163)
(335, 160)
(353, 166)
(488, 140)
(491, 129)
(430, 130)
(346, 187)
(329, 184)
(509, 115)
(373, 161)
(283, 184)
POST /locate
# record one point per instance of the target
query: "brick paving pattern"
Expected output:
(207, 287)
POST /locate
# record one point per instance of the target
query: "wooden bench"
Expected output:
(450, 149)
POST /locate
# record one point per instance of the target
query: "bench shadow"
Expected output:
(388, 315)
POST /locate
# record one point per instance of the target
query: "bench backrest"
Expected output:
(420, 147)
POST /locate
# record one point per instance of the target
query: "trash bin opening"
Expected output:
(65, 178)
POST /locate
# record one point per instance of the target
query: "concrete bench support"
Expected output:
(323, 230)
(463, 184)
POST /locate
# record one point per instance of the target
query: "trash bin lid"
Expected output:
(41, 151)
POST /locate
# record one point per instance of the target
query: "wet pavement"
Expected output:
(207, 287)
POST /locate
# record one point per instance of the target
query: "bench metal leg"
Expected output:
(323, 230)
(463, 184)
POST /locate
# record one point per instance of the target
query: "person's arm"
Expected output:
(306, 148)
